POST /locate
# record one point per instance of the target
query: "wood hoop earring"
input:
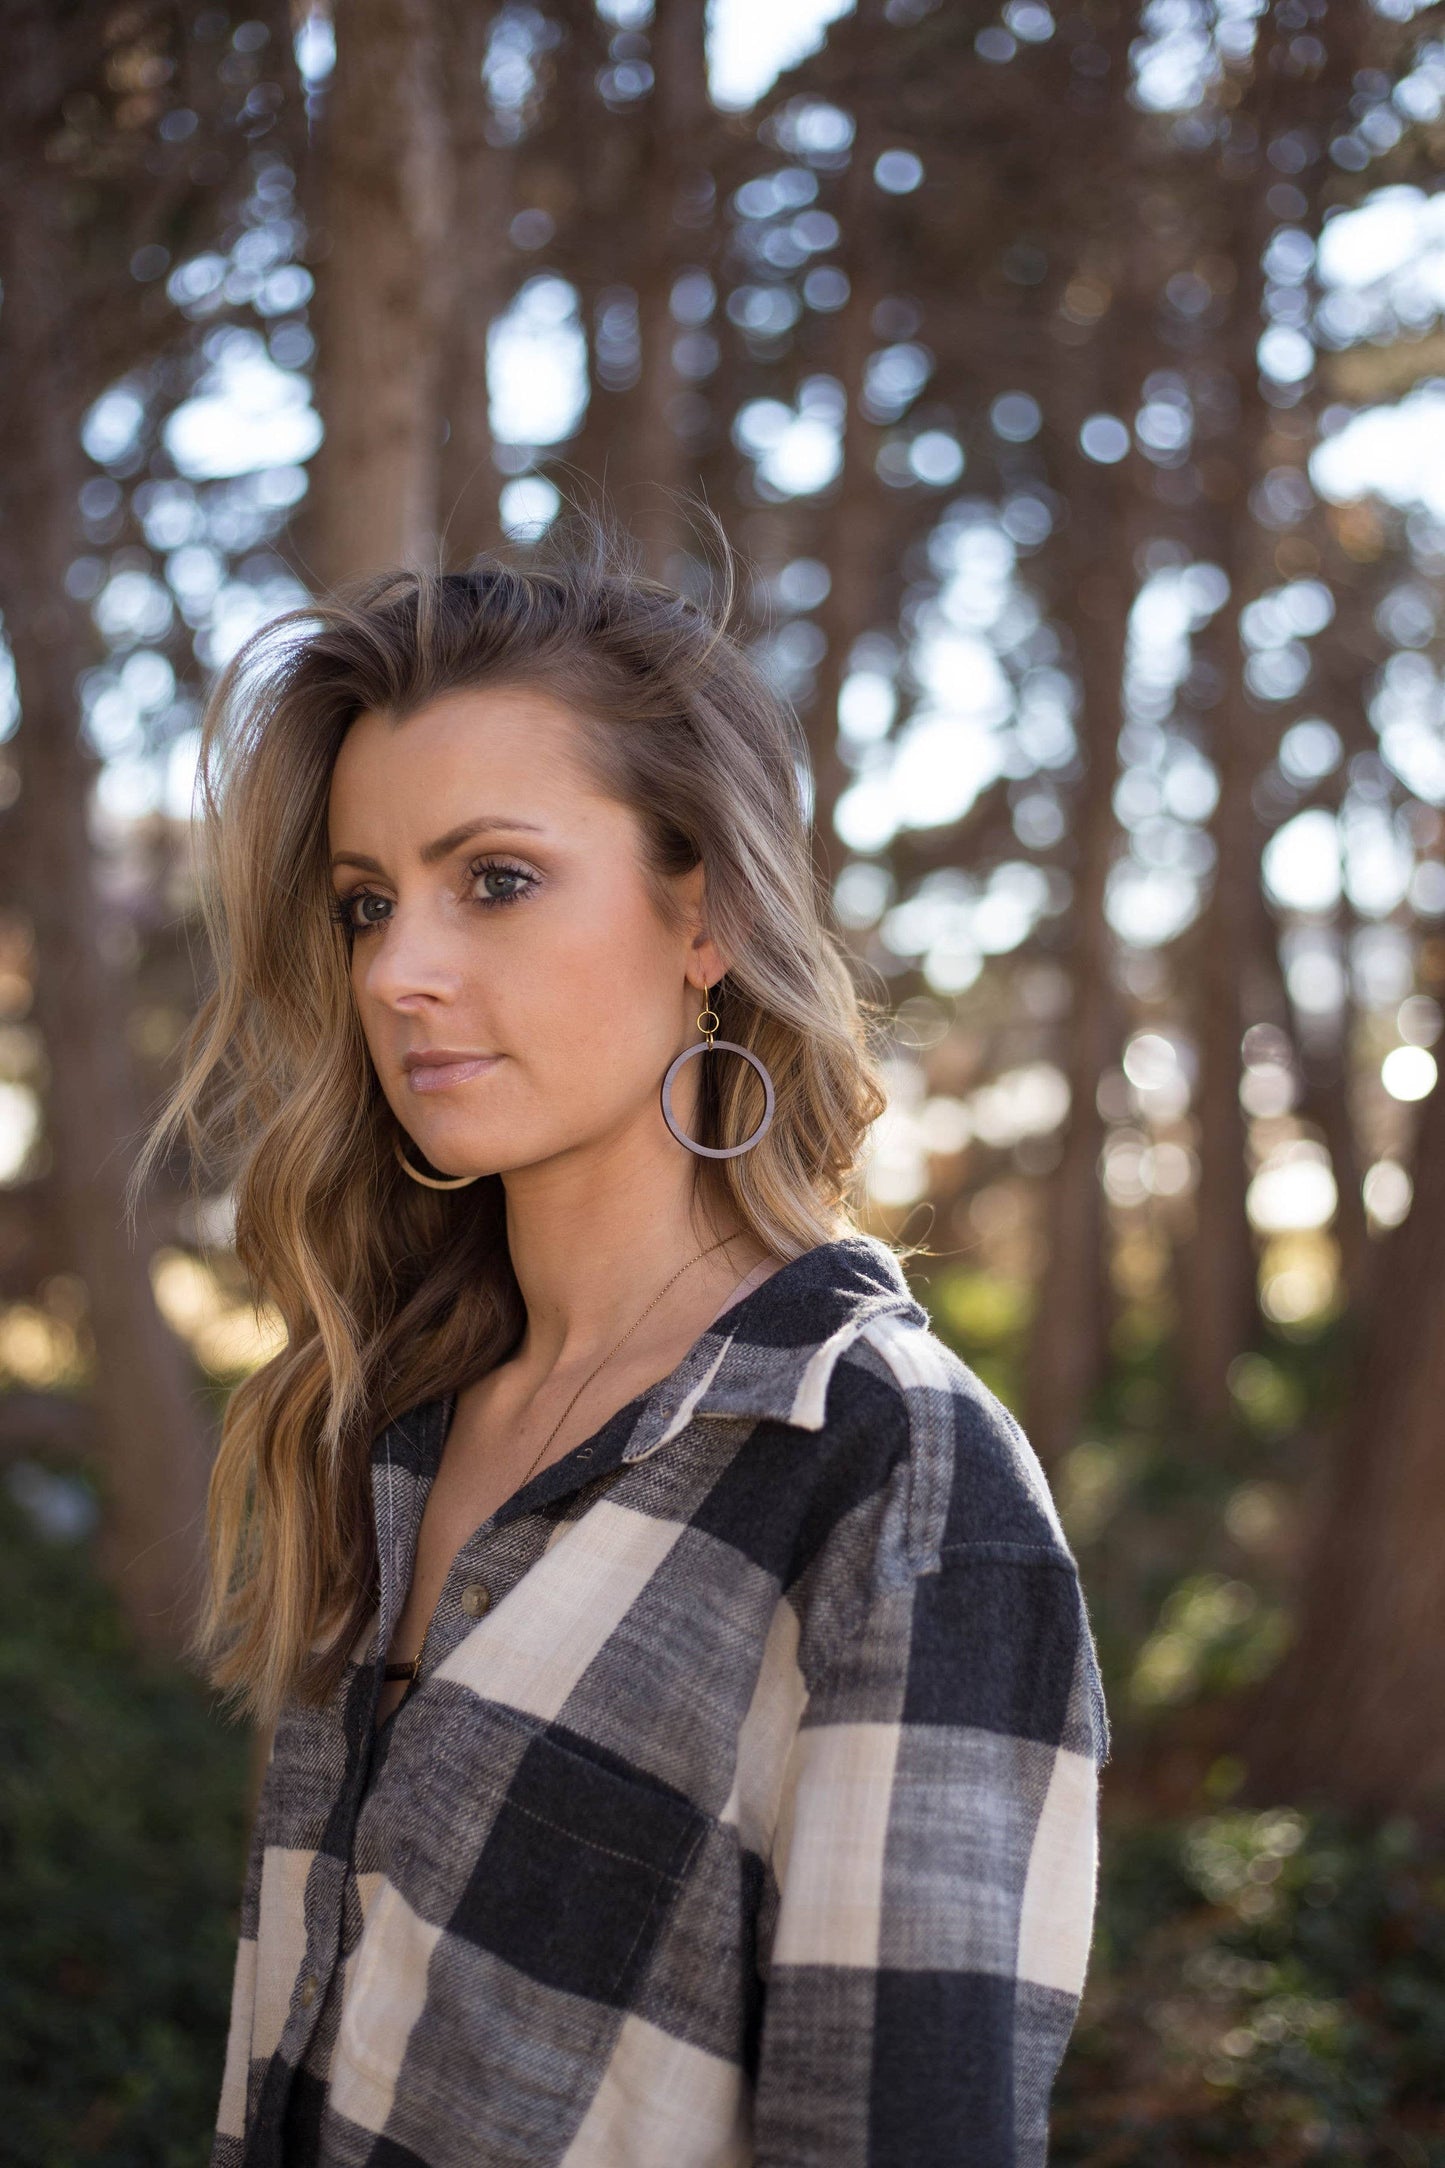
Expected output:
(704, 1046)
(431, 1181)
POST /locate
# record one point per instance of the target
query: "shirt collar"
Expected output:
(769, 1357)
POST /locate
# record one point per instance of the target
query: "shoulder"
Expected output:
(953, 1593)
(968, 1473)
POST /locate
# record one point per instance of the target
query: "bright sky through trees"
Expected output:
(750, 42)
(251, 417)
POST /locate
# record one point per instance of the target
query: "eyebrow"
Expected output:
(443, 846)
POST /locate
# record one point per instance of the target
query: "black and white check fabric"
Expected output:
(744, 1811)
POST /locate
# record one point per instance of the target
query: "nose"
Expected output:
(413, 959)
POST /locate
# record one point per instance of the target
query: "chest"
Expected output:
(495, 1443)
(505, 1429)
(638, 1617)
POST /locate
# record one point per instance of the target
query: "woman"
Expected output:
(686, 1719)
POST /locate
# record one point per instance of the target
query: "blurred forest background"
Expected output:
(1072, 379)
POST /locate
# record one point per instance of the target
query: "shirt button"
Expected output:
(476, 1598)
(308, 1990)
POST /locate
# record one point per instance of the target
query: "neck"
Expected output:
(591, 1253)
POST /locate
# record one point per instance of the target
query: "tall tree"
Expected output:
(476, 255)
(1355, 1712)
(381, 183)
(94, 201)
(675, 201)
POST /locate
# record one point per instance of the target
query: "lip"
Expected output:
(437, 1071)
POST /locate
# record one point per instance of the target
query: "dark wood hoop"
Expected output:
(713, 1151)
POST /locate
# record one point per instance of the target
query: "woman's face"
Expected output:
(499, 914)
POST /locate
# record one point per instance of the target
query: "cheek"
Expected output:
(368, 1006)
(595, 1024)
(595, 971)
(624, 939)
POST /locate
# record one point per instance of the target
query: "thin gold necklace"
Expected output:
(407, 1667)
(613, 1350)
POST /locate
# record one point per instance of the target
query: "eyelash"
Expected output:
(343, 906)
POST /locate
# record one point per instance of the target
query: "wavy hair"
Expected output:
(391, 1294)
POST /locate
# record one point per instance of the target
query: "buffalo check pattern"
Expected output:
(752, 1823)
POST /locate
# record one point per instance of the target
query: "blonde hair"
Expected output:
(390, 1293)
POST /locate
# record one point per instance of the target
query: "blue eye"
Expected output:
(511, 873)
(343, 907)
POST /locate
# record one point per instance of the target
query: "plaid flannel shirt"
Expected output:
(744, 1809)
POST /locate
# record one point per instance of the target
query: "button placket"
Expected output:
(466, 1591)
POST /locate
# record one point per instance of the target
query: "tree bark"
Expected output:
(1217, 1268)
(476, 269)
(857, 566)
(659, 461)
(1355, 1712)
(1069, 1339)
(383, 181)
(152, 1440)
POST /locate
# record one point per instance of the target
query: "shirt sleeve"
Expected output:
(934, 1866)
(229, 2136)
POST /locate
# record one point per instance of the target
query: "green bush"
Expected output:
(122, 1826)
(1266, 1988)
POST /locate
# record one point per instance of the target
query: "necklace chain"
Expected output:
(415, 1661)
(613, 1350)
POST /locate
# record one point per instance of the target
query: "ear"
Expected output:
(706, 962)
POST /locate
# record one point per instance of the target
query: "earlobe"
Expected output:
(708, 966)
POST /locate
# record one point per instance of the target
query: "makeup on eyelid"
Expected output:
(341, 907)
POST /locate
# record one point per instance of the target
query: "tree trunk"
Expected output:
(1069, 1340)
(1217, 1269)
(383, 181)
(1355, 1712)
(152, 1439)
(857, 569)
(678, 112)
(477, 256)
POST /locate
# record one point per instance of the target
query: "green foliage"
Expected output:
(984, 1317)
(1187, 1533)
(1265, 1988)
(1214, 1636)
(122, 1825)
(1269, 1396)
